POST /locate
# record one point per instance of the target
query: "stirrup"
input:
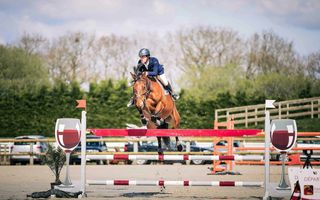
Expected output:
(175, 96)
(130, 103)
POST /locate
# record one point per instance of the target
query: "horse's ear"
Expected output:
(134, 76)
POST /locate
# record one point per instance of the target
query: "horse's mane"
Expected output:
(144, 77)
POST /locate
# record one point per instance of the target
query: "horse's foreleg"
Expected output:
(143, 119)
(155, 117)
(159, 108)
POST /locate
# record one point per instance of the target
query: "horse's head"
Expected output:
(140, 89)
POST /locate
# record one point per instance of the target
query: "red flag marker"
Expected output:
(81, 104)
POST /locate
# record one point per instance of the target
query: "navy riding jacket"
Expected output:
(154, 68)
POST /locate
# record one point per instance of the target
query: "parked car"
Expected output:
(153, 147)
(224, 143)
(92, 147)
(24, 147)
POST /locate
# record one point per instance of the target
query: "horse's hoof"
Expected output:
(160, 151)
(180, 147)
(144, 121)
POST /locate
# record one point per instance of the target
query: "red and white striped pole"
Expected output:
(174, 157)
(175, 183)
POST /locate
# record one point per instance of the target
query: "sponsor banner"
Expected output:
(309, 182)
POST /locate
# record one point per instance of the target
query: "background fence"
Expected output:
(254, 114)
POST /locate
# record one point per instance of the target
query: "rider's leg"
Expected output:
(167, 86)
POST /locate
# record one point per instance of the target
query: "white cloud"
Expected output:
(300, 13)
(163, 7)
(77, 9)
(125, 17)
(234, 6)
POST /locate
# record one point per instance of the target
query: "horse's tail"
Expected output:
(176, 117)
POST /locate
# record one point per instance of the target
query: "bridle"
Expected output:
(146, 93)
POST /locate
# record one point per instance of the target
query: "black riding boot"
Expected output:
(174, 95)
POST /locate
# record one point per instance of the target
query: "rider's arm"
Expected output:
(156, 68)
(141, 68)
(154, 72)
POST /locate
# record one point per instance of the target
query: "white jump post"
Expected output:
(82, 104)
(83, 151)
(268, 104)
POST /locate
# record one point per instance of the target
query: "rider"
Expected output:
(152, 67)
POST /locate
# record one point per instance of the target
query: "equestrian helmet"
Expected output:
(144, 52)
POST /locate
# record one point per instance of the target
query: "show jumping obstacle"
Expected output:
(175, 157)
(176, 183)
(176, 132)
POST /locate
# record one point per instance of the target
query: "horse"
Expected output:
(156, 109)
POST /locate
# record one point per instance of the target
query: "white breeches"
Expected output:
(163, 79)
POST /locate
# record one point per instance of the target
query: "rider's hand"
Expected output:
(139, 65)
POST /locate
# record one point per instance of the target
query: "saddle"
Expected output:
(154, 78)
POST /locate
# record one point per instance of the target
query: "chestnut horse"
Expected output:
(157, 109)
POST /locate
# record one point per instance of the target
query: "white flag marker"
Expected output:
(269, 103)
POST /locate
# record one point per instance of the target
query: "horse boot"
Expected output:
(144, 121)
(179, 146)
(173, 94)
(157, 120)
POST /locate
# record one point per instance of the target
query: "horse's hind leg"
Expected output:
(179, 145)
(160, 150)
(175, 124)
(166, 140)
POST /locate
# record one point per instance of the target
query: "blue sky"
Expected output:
(294, 20)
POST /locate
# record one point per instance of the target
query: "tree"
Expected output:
(204, 47)
(115, 52)
(313, 65)
(33, 43)
(280, 86)
(211, 60)
(20, 70)
(213, 81)
(268, 53)
(71, 58)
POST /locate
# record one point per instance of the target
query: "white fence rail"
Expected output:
(254, 114)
